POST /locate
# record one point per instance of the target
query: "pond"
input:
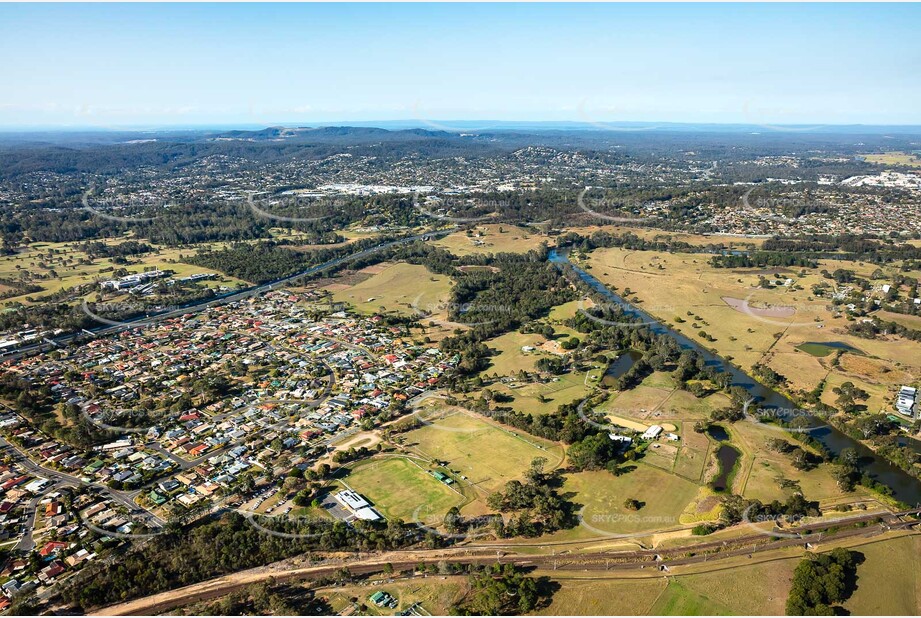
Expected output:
(718, 433)
(824, 348)
(620, 365)
(727, 457)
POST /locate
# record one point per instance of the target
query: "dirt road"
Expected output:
(654, 560)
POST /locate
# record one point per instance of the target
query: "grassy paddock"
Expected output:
(489, 239)
(488, 455)
(399, 288)
(601, 495)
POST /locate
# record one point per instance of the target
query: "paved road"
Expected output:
(126, 498)
(26, 543)
(229, 298)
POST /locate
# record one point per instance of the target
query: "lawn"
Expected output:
(487, 454)
(602, 495)
(745, 589)
(400, 489)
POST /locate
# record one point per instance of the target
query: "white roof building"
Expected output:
(905, 401)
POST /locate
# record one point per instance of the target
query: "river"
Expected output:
(905, 487)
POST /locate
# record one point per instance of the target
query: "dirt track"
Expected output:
(404, 561)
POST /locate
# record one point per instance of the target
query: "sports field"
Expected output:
(400, 489)
(487, 454)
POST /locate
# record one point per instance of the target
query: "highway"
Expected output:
(227, 298)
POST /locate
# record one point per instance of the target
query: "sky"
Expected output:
(115, 65)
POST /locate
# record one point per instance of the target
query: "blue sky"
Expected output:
(114, 65)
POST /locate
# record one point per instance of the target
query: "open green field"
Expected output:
(656, 399)
(759, 589)
(614, 597)
(745, 590)
(602, 495)
(491, 238)
(888, 582)
(401, 288)
(400, 489)
(546, 397)
(559, 314)
(763, 469)
(487, 454)
(692, 454)
(509, 358)
(680, 600)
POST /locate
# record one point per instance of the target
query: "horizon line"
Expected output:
(444, 125)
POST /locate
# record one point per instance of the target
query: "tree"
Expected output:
(821, 581)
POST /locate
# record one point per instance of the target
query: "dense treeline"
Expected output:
(761, 259)
(877, 327)
(504, 590)
(856, 247)
(539, 507)
(36, 403)
(266, 261)
(122, 249)
(524, 287)
(821, 581)
(216, 547)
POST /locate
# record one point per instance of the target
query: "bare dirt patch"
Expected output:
(766, 311)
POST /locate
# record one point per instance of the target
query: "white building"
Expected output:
(905, 402)
(357, 505)
(652, 433)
